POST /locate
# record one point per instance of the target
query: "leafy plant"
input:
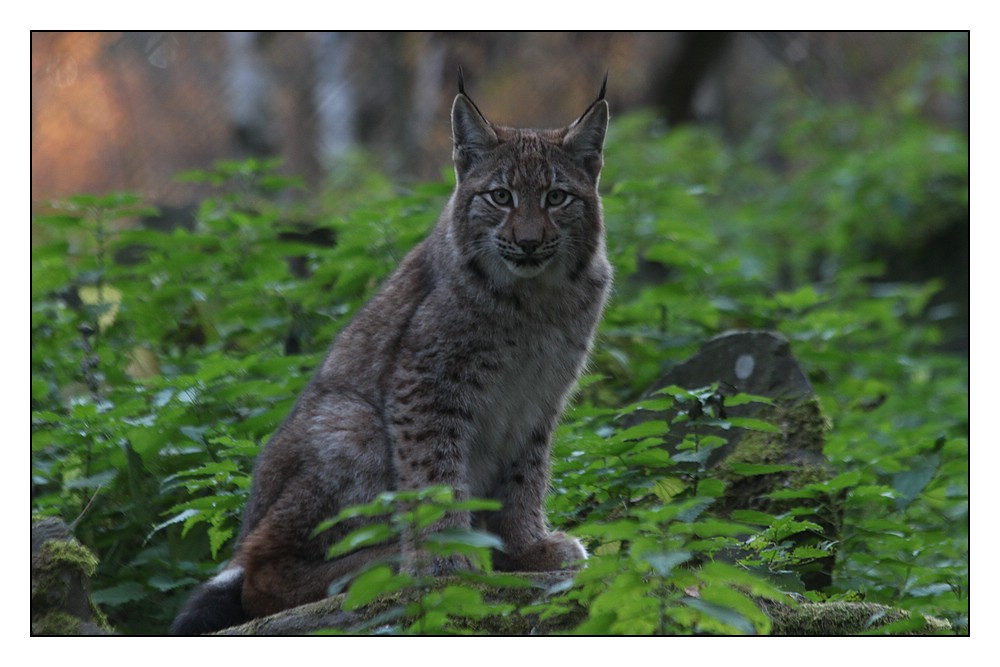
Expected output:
(414, 513)
(162, 360)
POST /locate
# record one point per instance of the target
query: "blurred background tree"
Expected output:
(137, 107)
(127, 111)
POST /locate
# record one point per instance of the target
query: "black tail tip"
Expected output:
(210, 609)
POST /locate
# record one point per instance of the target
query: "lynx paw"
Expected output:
(442, 566)
(437, 566)
(556, 551)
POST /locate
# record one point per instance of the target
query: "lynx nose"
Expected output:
(529, 245)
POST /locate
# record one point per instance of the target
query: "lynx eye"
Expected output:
(501, 197)
(556, 197)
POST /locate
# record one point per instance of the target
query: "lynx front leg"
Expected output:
(432, 457)
(521, 523)
(428, 439)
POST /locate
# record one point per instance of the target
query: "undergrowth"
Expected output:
(162, 360)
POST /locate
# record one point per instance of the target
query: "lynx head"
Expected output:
(526, 201)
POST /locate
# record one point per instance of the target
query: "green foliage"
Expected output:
(161, 362)
(415, 512)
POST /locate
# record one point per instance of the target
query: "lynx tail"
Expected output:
(215, 606)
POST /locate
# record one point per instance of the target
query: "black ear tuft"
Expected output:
(600, 98)
(584, 138)
(461, 91)
(473, 135)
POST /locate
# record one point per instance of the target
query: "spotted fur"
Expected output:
(455, 373)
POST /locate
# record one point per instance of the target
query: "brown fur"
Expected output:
(455, 373)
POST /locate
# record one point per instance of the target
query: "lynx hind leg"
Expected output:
(277, 578)
(555, 551)
(285, 565)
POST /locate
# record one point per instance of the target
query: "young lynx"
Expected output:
(454, 374)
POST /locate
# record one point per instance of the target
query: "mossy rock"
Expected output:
(506, 601)
(517, 613)
(61, 568)
(835, 619)
(798, 445)
(759, 363)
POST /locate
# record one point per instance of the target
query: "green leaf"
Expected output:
(804, 553)
(472, 538)
(711, 488)
(177, 518)
(211, 503)
(752, 424)
(588, 380)
(465, 602)
(737, 601)
(424, 516)
(664, 562)
(379, 580)
(94, 481)
(381, 506)
(751, 469)
(711, 527)
(730, 575)
(597, 624)
(39, 389)
(651, 428)
(910, 483)
(218, 536)
(843, 481)
(730, 620)
(651, 458)
(610, 531)
(699, 456)
(804, 297)
(475, 505)
(648, 405)
(679, 393)
(163, 582)
(743, 399)
(667, 488)
(786, 527)
(359, 538)
(129, 591)
(64, 221)
(695, 507)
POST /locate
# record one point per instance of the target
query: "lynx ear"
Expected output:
(584, 139)
(471, 132)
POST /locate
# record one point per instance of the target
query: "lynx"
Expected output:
(455, 373)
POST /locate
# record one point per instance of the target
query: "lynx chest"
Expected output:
(528, 376)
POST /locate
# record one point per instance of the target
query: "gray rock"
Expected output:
(754, 362)
(759, 363)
